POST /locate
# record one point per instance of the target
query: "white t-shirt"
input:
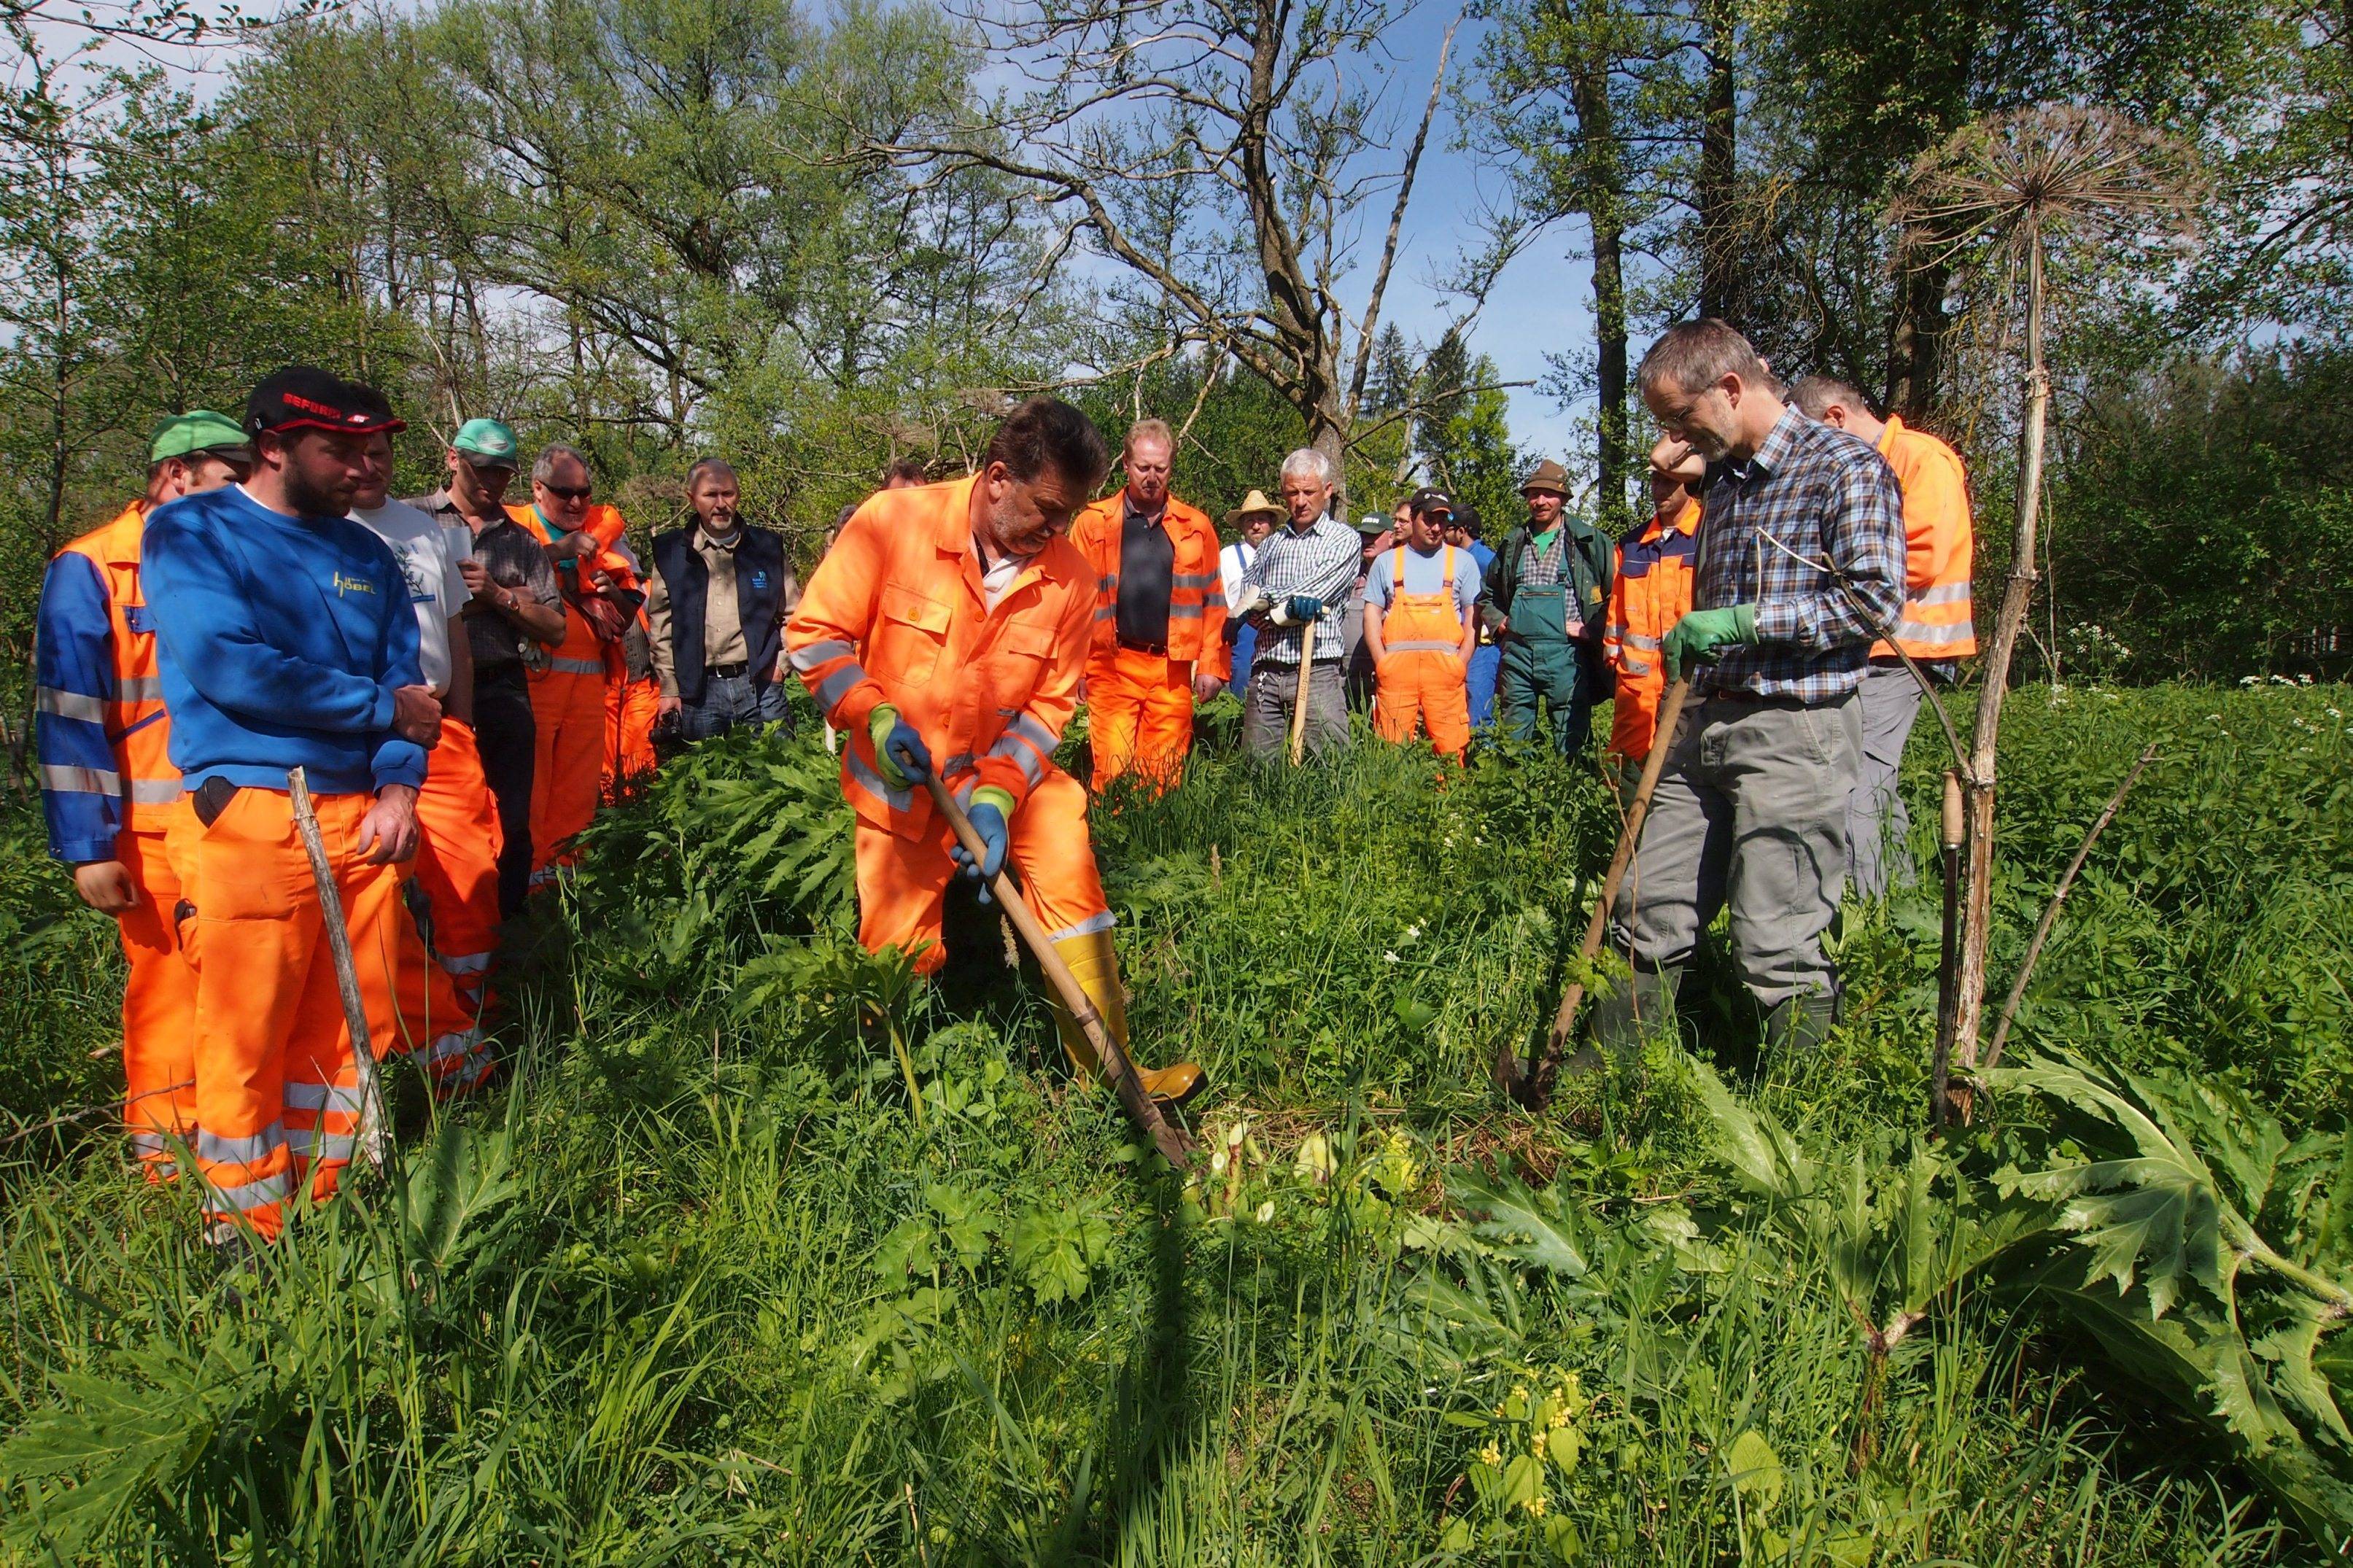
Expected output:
(1233, 560)
(429, 555)
(996, 577)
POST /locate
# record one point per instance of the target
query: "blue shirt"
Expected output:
(1424, 575)
(283, 640)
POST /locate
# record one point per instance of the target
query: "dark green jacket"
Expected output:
(1590, 558)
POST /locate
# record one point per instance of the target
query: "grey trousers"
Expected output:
(1273, 692)
(1878, 828)
(1750, 812)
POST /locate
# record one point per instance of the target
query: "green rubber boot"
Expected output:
(1643, 1005)
(1802, 1024)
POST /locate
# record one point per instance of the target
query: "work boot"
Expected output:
(1643, 1005)
(1094, 963)
(1802, 1024)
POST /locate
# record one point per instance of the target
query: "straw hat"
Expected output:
(1255, 504)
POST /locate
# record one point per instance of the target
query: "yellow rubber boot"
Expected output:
(1095, 961)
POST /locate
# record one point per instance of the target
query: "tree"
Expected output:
(1217, 153)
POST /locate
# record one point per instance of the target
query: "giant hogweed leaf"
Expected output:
(1530, 1226)
(1758, 1149)
(2293, 1350)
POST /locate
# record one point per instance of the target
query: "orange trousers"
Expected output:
(1428, 686)
(1139, 715)
(568, 708)
(458, 851)
(276, 1091)
(159, 1008)
(629, 709)
(903, 883)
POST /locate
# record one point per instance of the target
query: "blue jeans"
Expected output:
(731, 700)
(1486, 664)
(1245, 646)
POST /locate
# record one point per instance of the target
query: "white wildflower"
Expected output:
(1265, 1211)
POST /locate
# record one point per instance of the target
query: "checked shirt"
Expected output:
(1321, 562)
(1810, 491)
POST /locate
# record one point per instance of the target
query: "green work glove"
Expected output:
(1702, 634)
(900, 755)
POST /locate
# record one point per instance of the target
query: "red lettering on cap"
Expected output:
(295, 400)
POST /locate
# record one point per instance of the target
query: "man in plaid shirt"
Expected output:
(1801, 566)
(1304, 573)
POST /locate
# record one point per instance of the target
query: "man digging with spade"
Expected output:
(947, 627)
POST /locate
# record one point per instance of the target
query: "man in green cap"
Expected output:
(515, 615)
(107, 781)
(1545, 604)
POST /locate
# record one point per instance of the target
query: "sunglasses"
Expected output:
(562, 493)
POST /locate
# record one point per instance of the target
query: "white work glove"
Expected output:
(1250, 600)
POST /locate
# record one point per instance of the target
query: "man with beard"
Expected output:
(951, 622)
(288, 641)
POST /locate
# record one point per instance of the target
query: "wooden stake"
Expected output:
(1537, 1089)
(1125, 1083)
(1299, 703)
(375, 1137)
(1953, 832)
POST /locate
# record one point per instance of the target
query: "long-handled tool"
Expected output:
(374, 1136)
(1535, 1088)
(1299, 703)
(1170, 1140)
(1952, 833)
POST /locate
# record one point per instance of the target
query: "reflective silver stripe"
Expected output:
(1087, 927)
(1934, 636)
(1424, 648)
(1186, 612)
(1191, 579)
(147, 1142)
(1650, 645)
(139, 689)
(837, 686)
(251, 1195)
(66, 704)
(1107, 612)
(1020, 756)
(807, 658)
(1636, 667)
(313, 1145)
(70, 780)
(465, 962)
(961, 762)
(1034, 732)
(1945, 594)
(454, 1045)
(154, 792)
(1615, 631)
(325, 1097)
(240, 1150)
(576, 666)
(1107, 584)
(867, 779)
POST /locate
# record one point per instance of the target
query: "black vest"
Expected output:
(759, 595)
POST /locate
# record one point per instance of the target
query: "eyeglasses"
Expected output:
(562, 492)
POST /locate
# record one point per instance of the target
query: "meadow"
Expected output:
(703, 1283)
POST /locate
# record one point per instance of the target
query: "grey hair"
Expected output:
(712, 468)
(1308, 460)
(554, 453)
(1692, 356)
(1813, 395)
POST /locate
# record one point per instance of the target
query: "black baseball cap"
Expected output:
(1427, 499)
(1466, 518)
(304, 398)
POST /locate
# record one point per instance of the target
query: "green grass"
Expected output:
(696, 1289)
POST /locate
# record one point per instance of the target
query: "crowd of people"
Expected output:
(454, 682)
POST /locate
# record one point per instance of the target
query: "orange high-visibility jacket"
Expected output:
(1650, 592)
(582, 652)
(1197, 593)
(894, 614)
(133, 715)
(1939, 545)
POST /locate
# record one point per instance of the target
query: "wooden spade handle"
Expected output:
(375, 1137)
(1298, 702)
(1168, 1140)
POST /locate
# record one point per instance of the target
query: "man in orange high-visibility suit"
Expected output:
(288, 641)
(1934, 627)
(567, 696)
(1421, 628)
(1159, 617)
(1649, 592)
(453, 898)
(632, 693)
(951, 621)
(108, 786)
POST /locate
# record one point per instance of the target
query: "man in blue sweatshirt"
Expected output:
(288, 642)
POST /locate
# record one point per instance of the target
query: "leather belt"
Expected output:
(1135, 646)
(725, 671)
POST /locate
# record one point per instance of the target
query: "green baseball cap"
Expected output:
(198, 430)
(486, 443)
